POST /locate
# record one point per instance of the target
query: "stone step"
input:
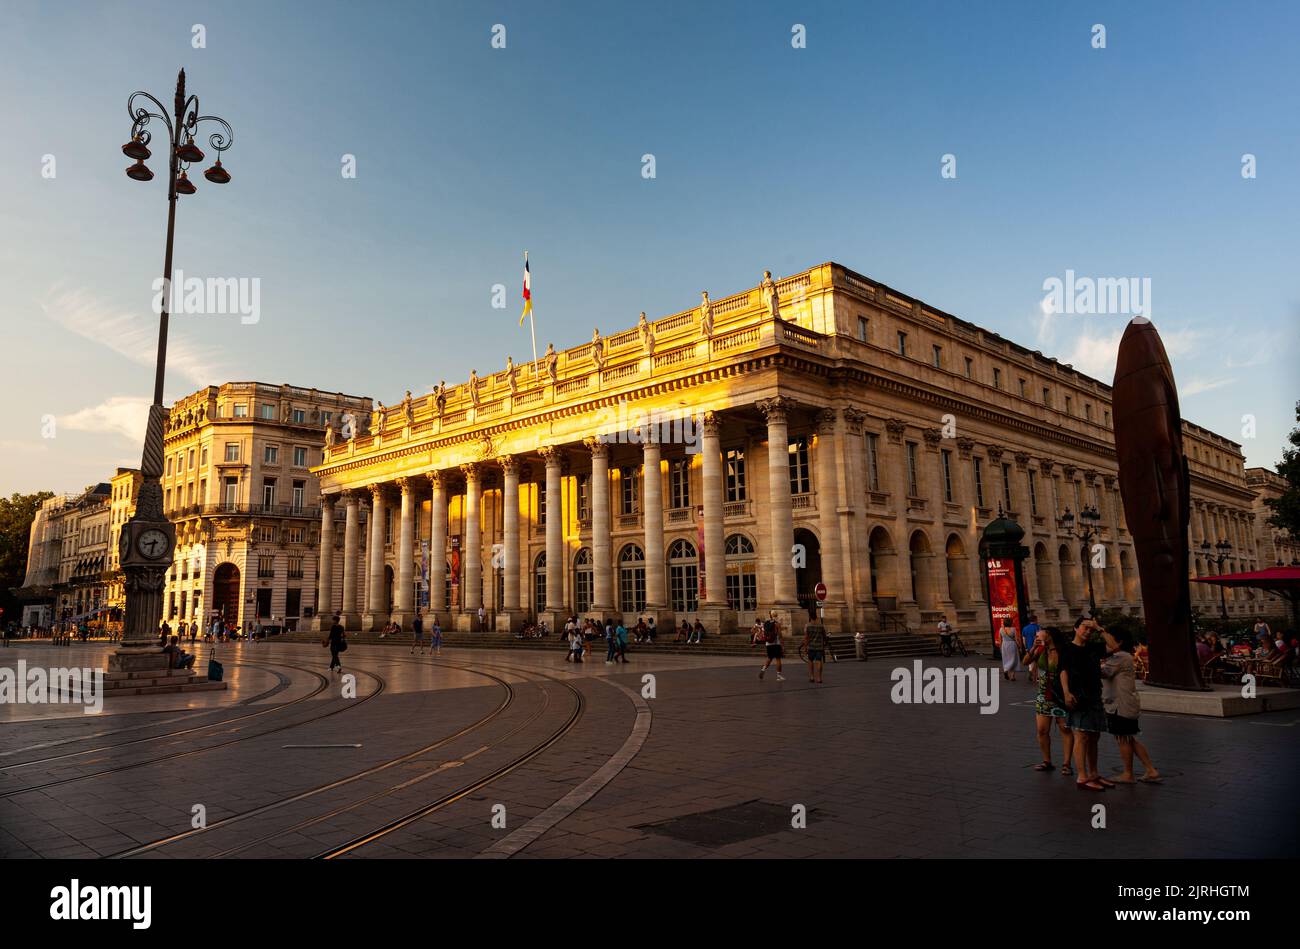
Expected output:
(117, 676)
(196, 685)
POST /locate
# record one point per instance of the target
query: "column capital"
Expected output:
(776, 409)
(1045, 465)
(854, 418)
(932, 437)
(598, 447)
(377, 491)
(1068, 471)
(965, 445)
(327, 500)
(894, 428)
(435, 479)
(350, 494)
(1090, 476)
(1022, 460)
(470, 470)
(994, 452)
(509, 463)
(552, 455)
(711, 424)
(406, 484)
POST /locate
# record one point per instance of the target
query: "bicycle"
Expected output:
(950, 643)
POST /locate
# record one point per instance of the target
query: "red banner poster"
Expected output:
(699, 540)
(1003, 596)
(455, 573)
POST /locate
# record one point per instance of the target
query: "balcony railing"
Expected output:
(245, 509)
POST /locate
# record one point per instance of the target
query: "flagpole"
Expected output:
(532, 325)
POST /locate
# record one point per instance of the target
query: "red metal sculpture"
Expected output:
(1153, 482)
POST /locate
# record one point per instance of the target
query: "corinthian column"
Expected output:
(376, 618)
(325, 573)
(715, 550)
(405, 596)
(603, 569)
(778, 486)
(656, 591)
(351, 545)
(828, 518)
(437, 549)
(554, 459)
(473, 553)
(510, 551)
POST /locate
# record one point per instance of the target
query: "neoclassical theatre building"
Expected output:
(721, 461)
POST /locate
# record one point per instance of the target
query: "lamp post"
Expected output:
(1084, 527)
(148, 539)
(1224, 550)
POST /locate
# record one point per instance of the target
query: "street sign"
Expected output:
(820, 590)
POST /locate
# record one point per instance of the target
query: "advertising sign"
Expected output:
(1003, 597)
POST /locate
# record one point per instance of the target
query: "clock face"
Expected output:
(152, 544)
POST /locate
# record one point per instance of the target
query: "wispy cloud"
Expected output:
(127, 416)
(1093, 351)
(1197, 386)
(129, 334)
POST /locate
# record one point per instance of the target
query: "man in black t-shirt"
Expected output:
(1081, 688)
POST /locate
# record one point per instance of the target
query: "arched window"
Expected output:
(583, 580)
(742, 574)
(539, 583)
(631, 579)
(683, 577)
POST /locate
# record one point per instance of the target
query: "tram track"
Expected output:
(380, 685)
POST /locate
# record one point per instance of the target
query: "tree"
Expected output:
(1286, 509)
(16, 516)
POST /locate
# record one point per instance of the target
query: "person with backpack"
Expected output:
(772, 636)
(338, 642)
(417, 627)
(620, 641)
(814, 641)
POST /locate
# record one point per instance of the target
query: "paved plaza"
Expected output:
(516, 753)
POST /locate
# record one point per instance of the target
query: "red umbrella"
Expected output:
(1284, 581)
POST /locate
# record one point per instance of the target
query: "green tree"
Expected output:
(16, 515)
(1286, 509)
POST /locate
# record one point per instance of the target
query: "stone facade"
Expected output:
(237, 482)
(821, 427)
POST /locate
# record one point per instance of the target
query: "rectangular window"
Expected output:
(679, 483)
(299, 495)
(1022, 388)
(979, 482)
(271, 455)
(266, 410)
(297, 535)
(239, 410)
(1108, 419)
(268, 493)
(873, 462)
(627, 489)
(997, 378)
(203, 491)
(1033, 493)
(863, 327)
(1087, 411)
(947, 475)
(541, 505)
(936, 353)
(735, 462)
(1006, 487)
(1047, 396)
(800, 482)
(231, 494)
(167, 499)
(299, 456)
(232, 451)
(169, 467)
(295, 568)
(742, 587)
(325, 418)
(584, 500)
(970, 368)
(203, 457)
(299, 417)
(911, 469)
(902, 343)
(584, 584)
(191, 465)
(265, 567)
(1068, 410)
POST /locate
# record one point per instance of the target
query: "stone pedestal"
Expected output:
(717, 622)
(137, 659)
(509, 621)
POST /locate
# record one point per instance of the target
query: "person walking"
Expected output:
(576, 646)
(1119, 697)
(435, 635)
(417, 628)
(772, 636)
(1028, 637)
(1081, 687)
(338, 642)
(611, 644)
(1011, 643)
(1049, 705)
(620, 641)
(814, 642)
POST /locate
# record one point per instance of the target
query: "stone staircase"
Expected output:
(157, 682)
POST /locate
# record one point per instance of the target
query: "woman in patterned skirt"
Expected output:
(1048, 706)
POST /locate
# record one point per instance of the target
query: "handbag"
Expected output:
(215, 670)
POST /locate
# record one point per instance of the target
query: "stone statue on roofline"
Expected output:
(597, 349)
(552, 362)
(647, 334)
(377, 419)
(329, 434)
(512, 376)
(769, 296)
(706, 314)
(408, 413)
(440, 396)
(473, 387)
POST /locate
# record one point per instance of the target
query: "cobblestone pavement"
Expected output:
(519, 753)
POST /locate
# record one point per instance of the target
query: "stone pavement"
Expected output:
(727, 760)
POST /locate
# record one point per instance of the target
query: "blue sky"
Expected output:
(1123, 161)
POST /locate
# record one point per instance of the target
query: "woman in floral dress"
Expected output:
(1049, 706)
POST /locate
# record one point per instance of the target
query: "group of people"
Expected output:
(434, 646)
(579, 636)
(770, 632)
(690, 635)
(1086, 685)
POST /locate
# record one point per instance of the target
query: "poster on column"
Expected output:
(1003, 598)
(424, 575)
(455, 573)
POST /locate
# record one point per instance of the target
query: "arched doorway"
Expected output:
(958, 567)
(683, 578)
(742, 578)
(631, 580)
(809, 575)
(584, 583)
(881, 554)
(922, 569)
(225, 592)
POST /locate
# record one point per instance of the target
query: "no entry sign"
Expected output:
(820, 591)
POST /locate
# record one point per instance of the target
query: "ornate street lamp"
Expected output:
(1088, 525)
(148, 538)
(1224, 550)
